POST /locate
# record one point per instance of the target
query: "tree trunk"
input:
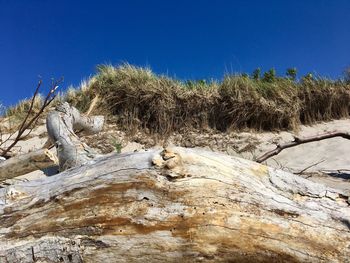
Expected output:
(178, 205)
(26, 163)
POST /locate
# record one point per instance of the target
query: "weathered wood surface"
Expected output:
(26, 163)
(61, 124)
(181, 205)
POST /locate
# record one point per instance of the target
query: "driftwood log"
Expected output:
(26, 163)
(61, 126)
(177, 205)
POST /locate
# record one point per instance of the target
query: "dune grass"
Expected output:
(23, 106)
(140, 99)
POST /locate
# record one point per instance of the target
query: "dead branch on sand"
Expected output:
(297, 141)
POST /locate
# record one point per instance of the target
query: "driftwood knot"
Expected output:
(171, 162)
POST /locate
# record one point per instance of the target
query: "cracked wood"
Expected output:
(173, 205)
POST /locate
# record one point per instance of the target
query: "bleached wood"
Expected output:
(61, 125)
(178, 205)
(26, 163)
(49, 144)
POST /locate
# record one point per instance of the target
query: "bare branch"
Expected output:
(27, 124)
(31, 105)
(297, 141)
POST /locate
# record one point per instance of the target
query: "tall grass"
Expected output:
(323, 100)
(249, 103)
(144, 100)
(23, 106)
(140, 99)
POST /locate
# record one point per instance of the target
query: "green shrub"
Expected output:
(270, 75)
(291, 73)
(347, 75)
(308, 78)
(256, 74)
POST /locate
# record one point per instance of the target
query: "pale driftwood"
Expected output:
(180, 205)
(61, 124)
(297, 141)
(26, 163)
(49, 144)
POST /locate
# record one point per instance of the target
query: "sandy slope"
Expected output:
(332, 153)
(330, 156)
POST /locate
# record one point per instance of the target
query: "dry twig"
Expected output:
(28, 122)
(310, 166)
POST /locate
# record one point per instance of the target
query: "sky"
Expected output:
(184, 39)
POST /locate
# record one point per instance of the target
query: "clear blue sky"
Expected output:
(186, 39)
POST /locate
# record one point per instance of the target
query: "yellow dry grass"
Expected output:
(140, 99)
